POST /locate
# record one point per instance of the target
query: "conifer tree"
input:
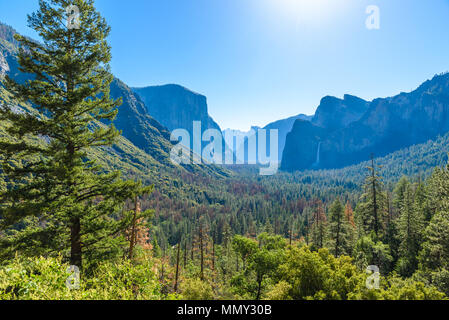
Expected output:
(438, 191)
(435, 249)
(422, 201)
(371, 211)
(60, 201)
(435, 252)
(399, 192)
(392, 238)
(349, 214)
(351, 228)
(319, 227)
(410, 230)
(177, 266)
(338, 230)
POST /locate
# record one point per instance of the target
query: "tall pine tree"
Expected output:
(339, 230)
(371, 211)
(319, 227)
(411, 226)
(58, 200)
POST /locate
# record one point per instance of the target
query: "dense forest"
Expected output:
(86, 214)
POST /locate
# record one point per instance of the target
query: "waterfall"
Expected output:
(317, 162)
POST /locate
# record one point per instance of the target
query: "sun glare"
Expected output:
(308, 12)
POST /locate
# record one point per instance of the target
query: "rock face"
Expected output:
(7, 33)
(176, 107)
(6, 36)
(4, 67)
(133, 119)
(137, 125)
(334, 113)
(8, 54)
(284, 127)
(388, 125)
(304, 141)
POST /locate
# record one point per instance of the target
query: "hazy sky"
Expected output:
(262, 60)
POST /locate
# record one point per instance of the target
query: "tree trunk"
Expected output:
(259, 286)
(75, 239)
(202, 252)
(132, 241)
(177, 267)
(185, 253)
(213, 254)
(291, 234)
(337, 240)
(376, 222)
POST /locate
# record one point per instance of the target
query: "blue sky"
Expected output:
(262, 60)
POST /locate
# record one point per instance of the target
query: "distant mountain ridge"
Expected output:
(284, 126)
(388, 124)
(132, 118)
(232, 136)
(7, 33)
(137, 126)
(342, 132)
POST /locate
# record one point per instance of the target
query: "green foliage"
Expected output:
(371, 211)
(409, 289)
(195, 289)
(262, 259)
(435, 252)
(369, 252)
(244, 247)
(319, 232)
(45, 279)
(339, 231)
(320, 275)
(410, 225)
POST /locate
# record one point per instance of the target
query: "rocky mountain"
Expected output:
(305, 137)
(303, 140)
(4, 67)
(139, 129)
(284, 126)
(177, 107)
(8, 52)
(137, 125)
(388, 124)
(334, 113)
(7, 34)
